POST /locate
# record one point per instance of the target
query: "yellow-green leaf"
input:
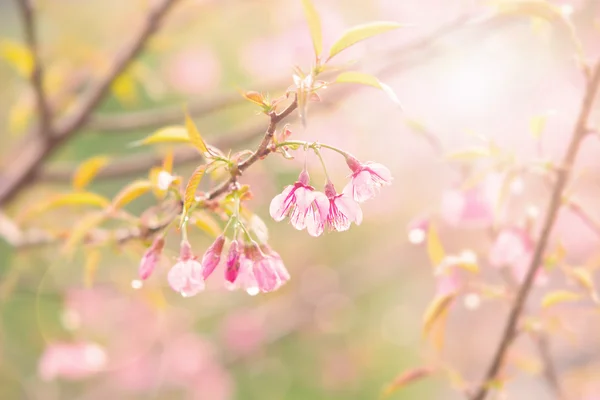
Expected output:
(530, 8)
(406, 378)
(67, 199)
(207, 224)
(435, 250)
(537, 125)
(370, 80)
(583, 277)
(470, 154)
(131, 192)
(92, 259)
(169, 134)
(359, 33)
(88, 171)
(192, 185)
(81, 229)
(17, 55)
(124, 88)
(314, 25)
(559, 296)
(194, 135)
(434, 319)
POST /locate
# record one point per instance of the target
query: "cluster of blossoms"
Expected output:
(315, 210)
(256, 267)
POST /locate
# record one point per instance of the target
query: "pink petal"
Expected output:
(350, 208)
(381, 171)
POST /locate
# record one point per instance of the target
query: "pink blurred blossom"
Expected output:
(193, 71)
(417, 229)
(513, 248)
(341, 211)
(366, 179)
(72, 361)
(243, 333)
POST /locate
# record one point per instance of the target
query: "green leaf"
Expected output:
(169, 134)
(87, 170)
(406, 378)
(206, 223)
(359, 33)
(131, 192)
(190, 189)
(314, 25)
(434, 318)
(81, 229)
(194, 135)
(470, 154)
(370, 80)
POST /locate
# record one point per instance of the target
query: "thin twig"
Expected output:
(34, 152)
(37, 72)
(563, 175)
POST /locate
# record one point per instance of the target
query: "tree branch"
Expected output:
(563, 175)
(33, 152)
(37, 73)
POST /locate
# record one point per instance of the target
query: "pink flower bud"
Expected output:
(211, 258)
(150, 258)
(233, 262)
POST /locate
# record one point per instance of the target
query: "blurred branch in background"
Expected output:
(31, 154)
(26, 8)
(563, 174)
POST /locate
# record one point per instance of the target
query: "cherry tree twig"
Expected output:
(34, 152)
(37, 73)
(563, 174)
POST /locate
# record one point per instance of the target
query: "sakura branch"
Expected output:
(34, 150)
(563, 175)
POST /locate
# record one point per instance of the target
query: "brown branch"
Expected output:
(33, 152)
(37, 73)
(542, 343)
(563, 175)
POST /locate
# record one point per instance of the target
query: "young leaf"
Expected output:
(434, 318)
(359, 33)
(435, 250)
(192, 185)
(406, 378)
(131, 192)
(314, 25)
(194, 135)
(92, 259)
(583, 277)
(81, 229)
(370, 80)
(207, 224)
(67, 199)
(169, 134)
(124, 88)
(559, 296)
(17, 55)
(470, 154)
(88, 170)
(537, 125)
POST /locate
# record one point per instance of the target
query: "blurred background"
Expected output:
(349, 320)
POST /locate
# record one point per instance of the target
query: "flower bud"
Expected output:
(211, 258)
(150, 258)
(233, 262)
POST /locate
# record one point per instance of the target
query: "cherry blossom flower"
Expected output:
(186, 276)
(513, 248)
(261, 270)
(417, 230)
(341, 211)
(71, 361)
(366, 179)
(211, 258)
(470, 207)
(301, 203)
(150, 258)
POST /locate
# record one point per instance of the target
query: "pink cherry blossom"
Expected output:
(341, 211)
(193, 71)
(417, 229)
(470, 207)
(366, 179)
(261, 270)
(513, 248)
(211, 258)
(150, 258)
(301, 203)
(71, 361)
(186, 276)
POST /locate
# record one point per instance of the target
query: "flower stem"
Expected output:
(318, 153)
